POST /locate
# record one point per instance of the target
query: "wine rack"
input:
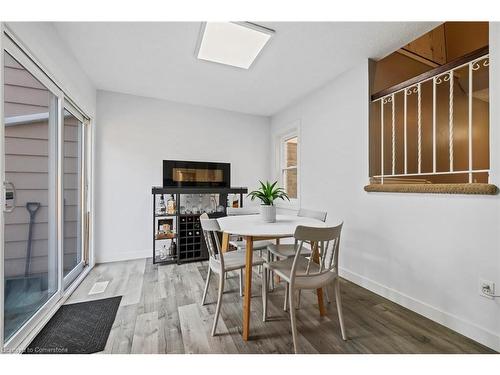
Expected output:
(190, 238)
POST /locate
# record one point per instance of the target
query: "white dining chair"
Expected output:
(288, 250)
(283, 251)
(300, 272)
(240, 243)
(219, 262)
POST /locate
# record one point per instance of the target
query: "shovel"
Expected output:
(32, 208)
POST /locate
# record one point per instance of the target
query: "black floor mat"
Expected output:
(79, 328)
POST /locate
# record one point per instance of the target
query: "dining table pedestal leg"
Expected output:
(319, 291)
(225, 242)
(247, 297)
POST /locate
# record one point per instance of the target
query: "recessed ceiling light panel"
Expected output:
(232, 43)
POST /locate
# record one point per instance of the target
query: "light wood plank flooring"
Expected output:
(160, 312)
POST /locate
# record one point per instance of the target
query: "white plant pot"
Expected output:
(268, 214)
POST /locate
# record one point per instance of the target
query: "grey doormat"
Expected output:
(79, 328)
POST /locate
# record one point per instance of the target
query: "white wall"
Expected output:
(423, 251)
(133, 137)
(43, 41)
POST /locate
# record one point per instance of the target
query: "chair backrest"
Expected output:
(211, 230)
(319, 215)
(232, 211)
(325, 246)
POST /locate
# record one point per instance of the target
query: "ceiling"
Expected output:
(157, 59)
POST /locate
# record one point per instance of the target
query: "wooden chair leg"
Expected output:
(339, 308)
(206, 286)
(293, 323)
(219, 301)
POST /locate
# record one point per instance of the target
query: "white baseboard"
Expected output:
(464, 327)
(118, 256)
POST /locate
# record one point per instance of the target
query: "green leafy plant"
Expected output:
(268, 193)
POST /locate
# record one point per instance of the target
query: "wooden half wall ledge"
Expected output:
(473, 188)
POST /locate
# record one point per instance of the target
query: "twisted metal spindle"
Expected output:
(450, 125)
(419, 122)
(393, 137)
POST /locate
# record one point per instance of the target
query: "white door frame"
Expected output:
(71, 276)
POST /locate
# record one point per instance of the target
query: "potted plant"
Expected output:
(268, 193)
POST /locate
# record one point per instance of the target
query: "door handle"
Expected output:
(12, 196)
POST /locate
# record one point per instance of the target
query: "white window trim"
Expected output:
(293, 130)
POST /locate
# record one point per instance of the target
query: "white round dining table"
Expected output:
(253, 228)
(253, 225)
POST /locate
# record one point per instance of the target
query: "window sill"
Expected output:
(474, 188)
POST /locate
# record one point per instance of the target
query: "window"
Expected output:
(289, 165)
(429, 115)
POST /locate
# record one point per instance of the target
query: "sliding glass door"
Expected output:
(30, 209)
(44, 206)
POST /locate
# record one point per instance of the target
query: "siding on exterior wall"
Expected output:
(27, 167)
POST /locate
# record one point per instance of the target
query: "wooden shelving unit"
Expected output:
(165, 236)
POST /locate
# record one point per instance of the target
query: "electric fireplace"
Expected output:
(177, 173)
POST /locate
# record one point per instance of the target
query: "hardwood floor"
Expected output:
(160, 312)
